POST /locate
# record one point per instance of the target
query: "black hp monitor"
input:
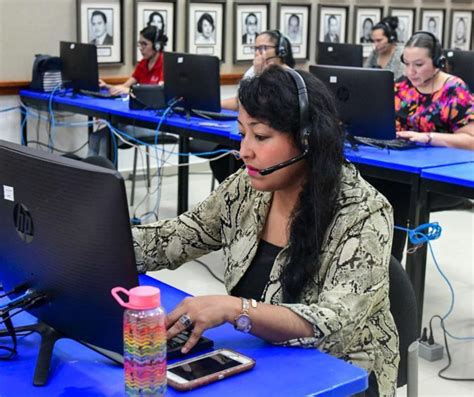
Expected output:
(65, 232)
(339, 54)
(80, 67)
(461, 64)
(364, 99)
(193, 78)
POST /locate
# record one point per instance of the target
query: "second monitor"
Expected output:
(364, 99)
(339, 54)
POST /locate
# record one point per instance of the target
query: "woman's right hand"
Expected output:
(118, 90)
(259, 61)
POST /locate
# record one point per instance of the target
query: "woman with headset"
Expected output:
(433, 108)
(386, 54)
(306, 251)
(271, 48)
(150, 69)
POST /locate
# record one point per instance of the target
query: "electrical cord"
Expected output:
(441, 371)
(209, 270)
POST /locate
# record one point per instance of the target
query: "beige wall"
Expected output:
(28, 27)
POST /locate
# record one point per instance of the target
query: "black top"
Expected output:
(253, 282)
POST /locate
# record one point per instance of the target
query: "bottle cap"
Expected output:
(139, 298)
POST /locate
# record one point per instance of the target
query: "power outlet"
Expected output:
(431, 352)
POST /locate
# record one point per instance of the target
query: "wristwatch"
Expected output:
(243, 322)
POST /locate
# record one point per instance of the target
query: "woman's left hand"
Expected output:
(412, 136)
(204, 312)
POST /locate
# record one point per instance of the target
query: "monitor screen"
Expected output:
(461, 64)
(80, 67)
(195, 79)
(364, 99)
(65, 232)
(339, 54)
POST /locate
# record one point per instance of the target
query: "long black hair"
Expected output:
(271, 98)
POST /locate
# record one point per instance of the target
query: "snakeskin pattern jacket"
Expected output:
(347, 303)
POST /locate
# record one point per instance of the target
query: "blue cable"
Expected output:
(433, 232)
(9, 109)
(51, 113)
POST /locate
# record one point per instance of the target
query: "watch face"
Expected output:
(242, 323)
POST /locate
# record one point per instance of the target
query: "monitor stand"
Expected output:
(49, 336)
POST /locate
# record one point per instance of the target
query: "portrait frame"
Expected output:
(110, 48)
(365, 17)
(205, 42)
(438, 15)
(407, 16)
(300, 39)
(143, 13)
(341, 13)
(467, 16)
(244, 46)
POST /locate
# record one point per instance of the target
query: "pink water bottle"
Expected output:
(144, 335)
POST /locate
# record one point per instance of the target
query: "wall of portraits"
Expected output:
(223, 28)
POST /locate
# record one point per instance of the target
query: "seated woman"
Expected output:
(386, 54)
(432, 108)
(271, 48)
(311, 247)
(148, 71)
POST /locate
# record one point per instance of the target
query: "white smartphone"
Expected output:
(207, 368)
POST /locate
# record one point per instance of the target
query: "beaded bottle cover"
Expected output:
(144, 356)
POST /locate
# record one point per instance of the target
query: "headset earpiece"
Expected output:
(281, 46)
(303, 102)
(157, 46)
(389, 32)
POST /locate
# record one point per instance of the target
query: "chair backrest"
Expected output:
(404, 311)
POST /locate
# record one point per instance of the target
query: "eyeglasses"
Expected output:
(142, 43)
(263, 48)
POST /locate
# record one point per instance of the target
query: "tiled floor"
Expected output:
(455, 254)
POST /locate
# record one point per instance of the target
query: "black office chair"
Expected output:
(404, 311)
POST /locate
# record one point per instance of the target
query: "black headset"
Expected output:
(438, 59)
(303, 103)
(281, 50)
(389, 32)
(157, 44)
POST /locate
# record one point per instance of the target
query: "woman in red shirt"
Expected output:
(150, 69)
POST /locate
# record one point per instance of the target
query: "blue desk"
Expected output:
(407, 167)
(279, 371)
(456, 176)
(116, 111)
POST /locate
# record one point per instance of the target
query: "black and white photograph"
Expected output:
(406, 22)
(433, 21)
(100, 23)
(250, 19)
(365, 19)
(461, 30)
(206, 28)
(293, 22)
(332, 24)
(161, 14)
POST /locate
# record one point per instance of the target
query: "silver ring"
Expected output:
(186, 320)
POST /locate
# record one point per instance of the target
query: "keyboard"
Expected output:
(396, 144)
(174, 345)
(99, 94)
(207, 114)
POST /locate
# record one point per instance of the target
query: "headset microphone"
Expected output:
(431, 78)
(276, 167)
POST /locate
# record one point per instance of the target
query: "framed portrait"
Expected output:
(406, 22)
(205, 27)
(100, 22)
(365, 19)
(250, 19)
(461, 30)
(433, 21)
(161, 14)
(332, 24)
(294, 23)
